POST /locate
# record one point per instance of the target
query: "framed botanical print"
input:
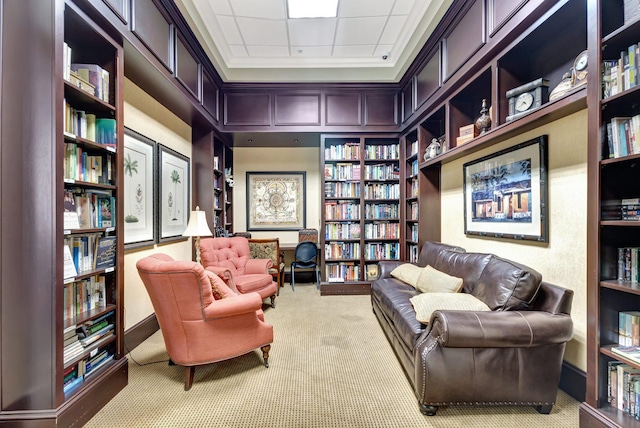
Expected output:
(173, 194)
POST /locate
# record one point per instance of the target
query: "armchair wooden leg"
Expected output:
(188, 377)
(265, 354)
(273, 301)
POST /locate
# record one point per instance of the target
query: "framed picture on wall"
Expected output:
(505, 193)
(139, 190)
(276, 200)
(173, 194)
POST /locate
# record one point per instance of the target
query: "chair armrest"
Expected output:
(499, 329)
(226, 275)
(258, 266)
(235, 305)
(386, 266)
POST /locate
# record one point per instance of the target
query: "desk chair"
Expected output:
(305, 257)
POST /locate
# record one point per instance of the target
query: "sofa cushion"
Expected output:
(252, 282)
(432, 251)
(426, 303)
(407, 273)
(432, 280)
(507, 285)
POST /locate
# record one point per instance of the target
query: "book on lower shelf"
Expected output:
(629, 352)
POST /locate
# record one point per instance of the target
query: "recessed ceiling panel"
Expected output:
(392, 29)
(230, 30)
(357, 8)
(265, 9)
(359, 31)
(312, 32)
(263, 32)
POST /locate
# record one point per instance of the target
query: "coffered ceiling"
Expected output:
(369, 40)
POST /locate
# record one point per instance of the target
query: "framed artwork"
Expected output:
(139, 190)
(276, 200)
(173, 194)
(505, 193)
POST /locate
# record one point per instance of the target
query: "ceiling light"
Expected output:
(312, 8)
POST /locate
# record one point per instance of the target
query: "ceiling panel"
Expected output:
(253, 40)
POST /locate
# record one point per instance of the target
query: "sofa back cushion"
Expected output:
(507, 285)
(468, 266)
(431, 251)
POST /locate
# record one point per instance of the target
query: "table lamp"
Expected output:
(197, 227)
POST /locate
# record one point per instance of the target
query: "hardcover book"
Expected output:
(105, 256)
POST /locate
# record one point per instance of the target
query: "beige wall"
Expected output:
(145, 115)
(276, 159)
(562, 260)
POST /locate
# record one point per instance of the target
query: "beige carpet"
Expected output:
(330, 366)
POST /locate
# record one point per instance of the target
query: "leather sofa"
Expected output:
(509, 355)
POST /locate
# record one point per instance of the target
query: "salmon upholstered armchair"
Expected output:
(231, 259)
(202, 321)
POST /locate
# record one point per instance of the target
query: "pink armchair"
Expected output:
(231, 259)
(201, 319)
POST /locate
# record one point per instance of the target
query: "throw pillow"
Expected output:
(426, 303)
(217, 294)
(407, 273)
(432, 280)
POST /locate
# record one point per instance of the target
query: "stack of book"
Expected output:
(72, 345)
(620, 74)
(623, 136)
(624, 387)
(629, 328)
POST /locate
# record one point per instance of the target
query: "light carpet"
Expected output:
(330, 365)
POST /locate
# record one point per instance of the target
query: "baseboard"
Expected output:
(573, 381)
(140, 332)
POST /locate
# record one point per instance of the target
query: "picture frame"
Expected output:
(139, 190)
(173, 194)
(276, 200)
(505, 193)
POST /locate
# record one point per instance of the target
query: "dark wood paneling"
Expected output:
(380, 109)
(297, 109)
(407, 100)
(187, 68)
(153, 29)
(465, 39)
(120, 8)
(343, 109)
(247, 109)
(428, 79)
(500, 11)
(210, 96)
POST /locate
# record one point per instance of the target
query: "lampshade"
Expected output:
(198, 224)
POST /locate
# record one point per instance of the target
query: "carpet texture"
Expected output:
(330, 366)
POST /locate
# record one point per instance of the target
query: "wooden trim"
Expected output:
(140, 332)
(338, 289)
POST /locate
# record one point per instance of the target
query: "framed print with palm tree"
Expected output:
(139, 190)
(505, 193)
(173, 194)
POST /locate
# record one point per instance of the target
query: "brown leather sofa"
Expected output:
(510, 355)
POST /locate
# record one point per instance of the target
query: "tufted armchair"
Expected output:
(230, 258)
(269, 248)
(202, 321)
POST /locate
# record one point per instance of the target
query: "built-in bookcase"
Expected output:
(614, 229)
(361, 200)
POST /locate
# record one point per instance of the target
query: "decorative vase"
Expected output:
(483, 123)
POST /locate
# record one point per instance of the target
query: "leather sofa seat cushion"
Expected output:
(394, 301)
(507, 285)
(252, 282)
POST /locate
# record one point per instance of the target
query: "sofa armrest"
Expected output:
(258, 266)
(386, 266)
(234, 305)
(499, 329)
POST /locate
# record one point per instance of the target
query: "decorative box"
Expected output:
(308, 235)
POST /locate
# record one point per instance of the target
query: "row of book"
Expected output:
(342, 190)
(95, 75)
(413, 252)
(629, 328)
(382, 251)
(85, 125)
(84, 295)
(341, 210)
(623, 136)
(381, 172)
(77, 338)
(349, 150)
(345, 271)
(623, 388)
(628, 269)
(342, 171)
(620, 209)
(381, 211)
(382, 151)
(341, 250)
(413, 210)
(89, 209)
(415, 187)
(413, 233)
(342, 230)
(620, 74)
(88, 253)
(413, 168)
(382, 191)
(382, 230)
(79, 165)
(413, 148)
